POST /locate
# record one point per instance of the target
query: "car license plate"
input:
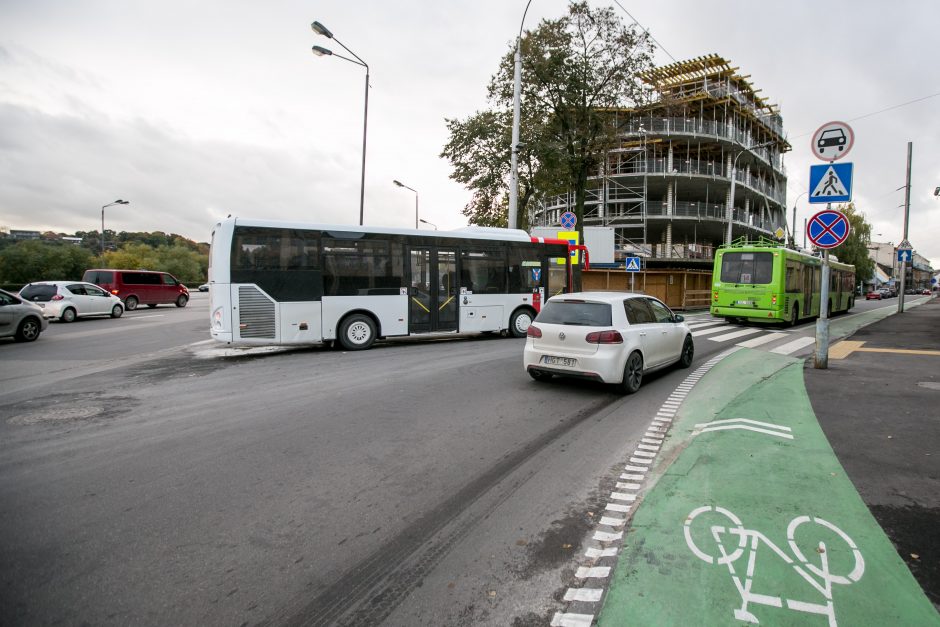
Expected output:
(744, 302)
(558, 361)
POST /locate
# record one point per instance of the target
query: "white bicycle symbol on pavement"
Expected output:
(817, 575)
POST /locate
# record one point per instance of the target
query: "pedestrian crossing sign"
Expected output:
(632, 264)
(830, 182)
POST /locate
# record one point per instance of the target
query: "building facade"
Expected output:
(666, 186)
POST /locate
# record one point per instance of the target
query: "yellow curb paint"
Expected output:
(845, 348)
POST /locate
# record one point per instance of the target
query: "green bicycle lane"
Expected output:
(753, 520)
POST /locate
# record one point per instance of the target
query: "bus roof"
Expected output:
(470, 232)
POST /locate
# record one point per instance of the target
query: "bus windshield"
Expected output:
(748, 268)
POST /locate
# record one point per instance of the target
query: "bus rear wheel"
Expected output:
(519, 323)
(357, 332)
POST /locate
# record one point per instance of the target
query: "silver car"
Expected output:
(20, 319)
(68, 300)
(612, 337)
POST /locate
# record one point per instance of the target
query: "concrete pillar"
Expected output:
(670, 200)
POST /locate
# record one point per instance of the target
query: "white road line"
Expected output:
(606, 536)
(588, 595)
(623, 496)
(757, 341)
(647, 447)
(632, 477)
(595, 553)
(700, 325)
(565, 619)
(592, 572)
(658, 442)
(648, 454)
(734, 335)
(634, 469)
(709, 331)
(617, 507)
(627, 486)
(795, 345)
(610, 521)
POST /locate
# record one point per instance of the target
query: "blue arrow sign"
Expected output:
(568, 220)
(830, 182)
(905, 255)
(632, 264)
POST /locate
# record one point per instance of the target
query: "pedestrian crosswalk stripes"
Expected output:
(795, 345)
(768, 339)
(734, 335)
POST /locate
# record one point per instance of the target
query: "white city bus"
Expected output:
(293, 283)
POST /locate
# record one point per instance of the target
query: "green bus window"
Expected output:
(747, 268)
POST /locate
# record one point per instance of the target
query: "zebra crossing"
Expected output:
(770, 339)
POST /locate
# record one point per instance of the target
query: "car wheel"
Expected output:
(632, 373)
(152, 305)
(182, 300)
(688, 352)
(131, 303)
(538, 375)
(519, 323)
(28, 331)
(68, 315)
(357, 332)
(117, 311)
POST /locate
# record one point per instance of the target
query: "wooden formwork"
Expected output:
(680, 289)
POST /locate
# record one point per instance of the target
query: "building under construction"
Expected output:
(665, 187)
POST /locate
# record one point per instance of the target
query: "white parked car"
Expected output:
(67, 300)
(613, 337)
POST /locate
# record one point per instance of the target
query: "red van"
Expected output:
(140, 287)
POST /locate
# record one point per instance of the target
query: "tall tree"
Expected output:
(855, 248)
(575, 70)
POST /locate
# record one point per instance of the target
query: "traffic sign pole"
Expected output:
(907, 213)
(821, 357)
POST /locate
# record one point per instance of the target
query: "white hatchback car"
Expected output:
(613, 337)
(67, 300)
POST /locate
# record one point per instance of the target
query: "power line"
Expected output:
(868, 115)
(645, 30)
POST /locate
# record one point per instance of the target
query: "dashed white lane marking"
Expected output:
(763, 339)
(562, 619)
(590, 595)
(593, 572)
(621, 502)
(701, 325)
(734, 335)
(795, 345)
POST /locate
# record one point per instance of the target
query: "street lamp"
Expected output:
(320, 29)
(516, 106)
(793, 228)
(734, 163)
(110, 204)
(423, 221)
(400, 184)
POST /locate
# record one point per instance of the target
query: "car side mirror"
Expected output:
(678, 318)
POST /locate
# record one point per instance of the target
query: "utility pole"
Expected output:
(907, 213)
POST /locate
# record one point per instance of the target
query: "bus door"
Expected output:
(808, 275)
(432, 298)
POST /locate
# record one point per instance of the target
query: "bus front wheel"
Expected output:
(519, 323)
(357, 332)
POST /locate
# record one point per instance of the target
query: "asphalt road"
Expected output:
(144, 479)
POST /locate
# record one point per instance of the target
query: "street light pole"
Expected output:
(110, 204)
(320, 29)
(734, 164)
(516, 109)
(400, 184)
(793, 224)
(429, 223)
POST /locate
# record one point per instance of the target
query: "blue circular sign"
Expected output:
(568, 220)
(828, 229)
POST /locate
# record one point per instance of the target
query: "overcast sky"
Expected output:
(195, 110)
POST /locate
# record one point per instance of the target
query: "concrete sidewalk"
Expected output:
(752, 518)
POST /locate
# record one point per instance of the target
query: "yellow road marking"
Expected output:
(845, 348)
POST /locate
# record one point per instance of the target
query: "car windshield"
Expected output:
(38, 293)
(575, 312)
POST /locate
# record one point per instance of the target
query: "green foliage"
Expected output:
(189, 266)
(574, 71)
(855, 248)
(36, 260)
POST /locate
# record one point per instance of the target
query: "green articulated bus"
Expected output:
(765, 282)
